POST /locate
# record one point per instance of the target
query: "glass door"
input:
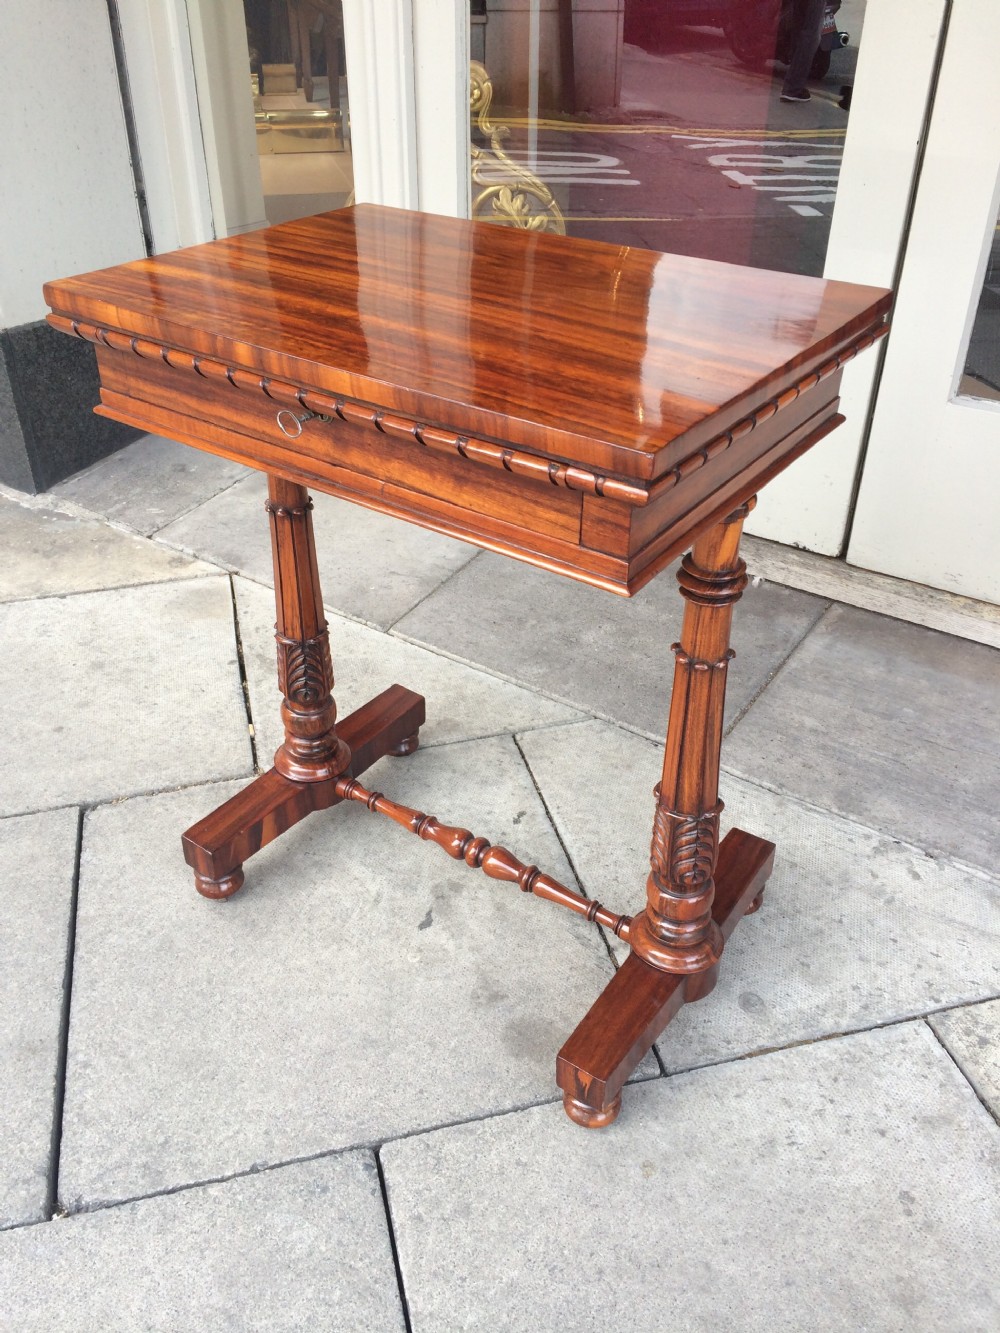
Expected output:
(302, 105)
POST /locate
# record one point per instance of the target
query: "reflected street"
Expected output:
(700, 156)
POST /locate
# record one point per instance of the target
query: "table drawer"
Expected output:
(361, 448)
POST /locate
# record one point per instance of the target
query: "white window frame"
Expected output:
(407, 63)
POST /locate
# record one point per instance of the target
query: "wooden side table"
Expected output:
(591, 409)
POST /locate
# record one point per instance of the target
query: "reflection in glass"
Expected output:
(678, 125)
(981, 376)
(300, 105)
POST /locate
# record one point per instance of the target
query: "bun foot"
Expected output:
(406, 746)
(755, 905)
(591, 1117)
(224, 887)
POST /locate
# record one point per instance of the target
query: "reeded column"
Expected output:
(676, 932)
(312, 750)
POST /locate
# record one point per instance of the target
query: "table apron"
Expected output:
(606, 542)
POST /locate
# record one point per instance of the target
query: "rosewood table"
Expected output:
(592, 409)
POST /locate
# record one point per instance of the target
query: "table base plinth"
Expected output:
(217, 845)
(639, 1000)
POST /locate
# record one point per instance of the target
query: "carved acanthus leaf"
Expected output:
(305, 669)
(683, 851)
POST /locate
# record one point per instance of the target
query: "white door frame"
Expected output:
(407, 66)
(810, 504)
(161, 86)
(378, 48)
(927, 505)
(407, 73)
(441, 105)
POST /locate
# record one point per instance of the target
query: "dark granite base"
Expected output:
(49, 387)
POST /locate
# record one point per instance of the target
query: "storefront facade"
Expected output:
(155, 139)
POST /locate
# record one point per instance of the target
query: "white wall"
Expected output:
(67, 199)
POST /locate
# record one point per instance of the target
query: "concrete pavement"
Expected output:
(329, 1102)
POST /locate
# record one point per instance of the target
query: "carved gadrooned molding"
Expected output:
(439, 440)
(321, 405)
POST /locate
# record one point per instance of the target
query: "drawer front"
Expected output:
(531, 520)
(362, 448)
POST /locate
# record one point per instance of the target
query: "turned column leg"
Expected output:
(676, 931)
(697, 891)
(312, 751)
(315, 751)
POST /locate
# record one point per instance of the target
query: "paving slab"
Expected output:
(128, 690)
(973, 1036)
(892, 724)
(49, 552)
(852, 1184)
(150, 483)
(361, 986)
(856, 928)
(302, 1247)
(37, 863)
(607, 654)
(462, 703)
(371, 567)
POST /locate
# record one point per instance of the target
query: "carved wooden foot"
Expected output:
(224, 887)
(586, 1115)
(217, 845)
(640, 999)
(756, 905)
(405, 746)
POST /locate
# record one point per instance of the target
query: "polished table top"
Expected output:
(588, 408)
(603, 355)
